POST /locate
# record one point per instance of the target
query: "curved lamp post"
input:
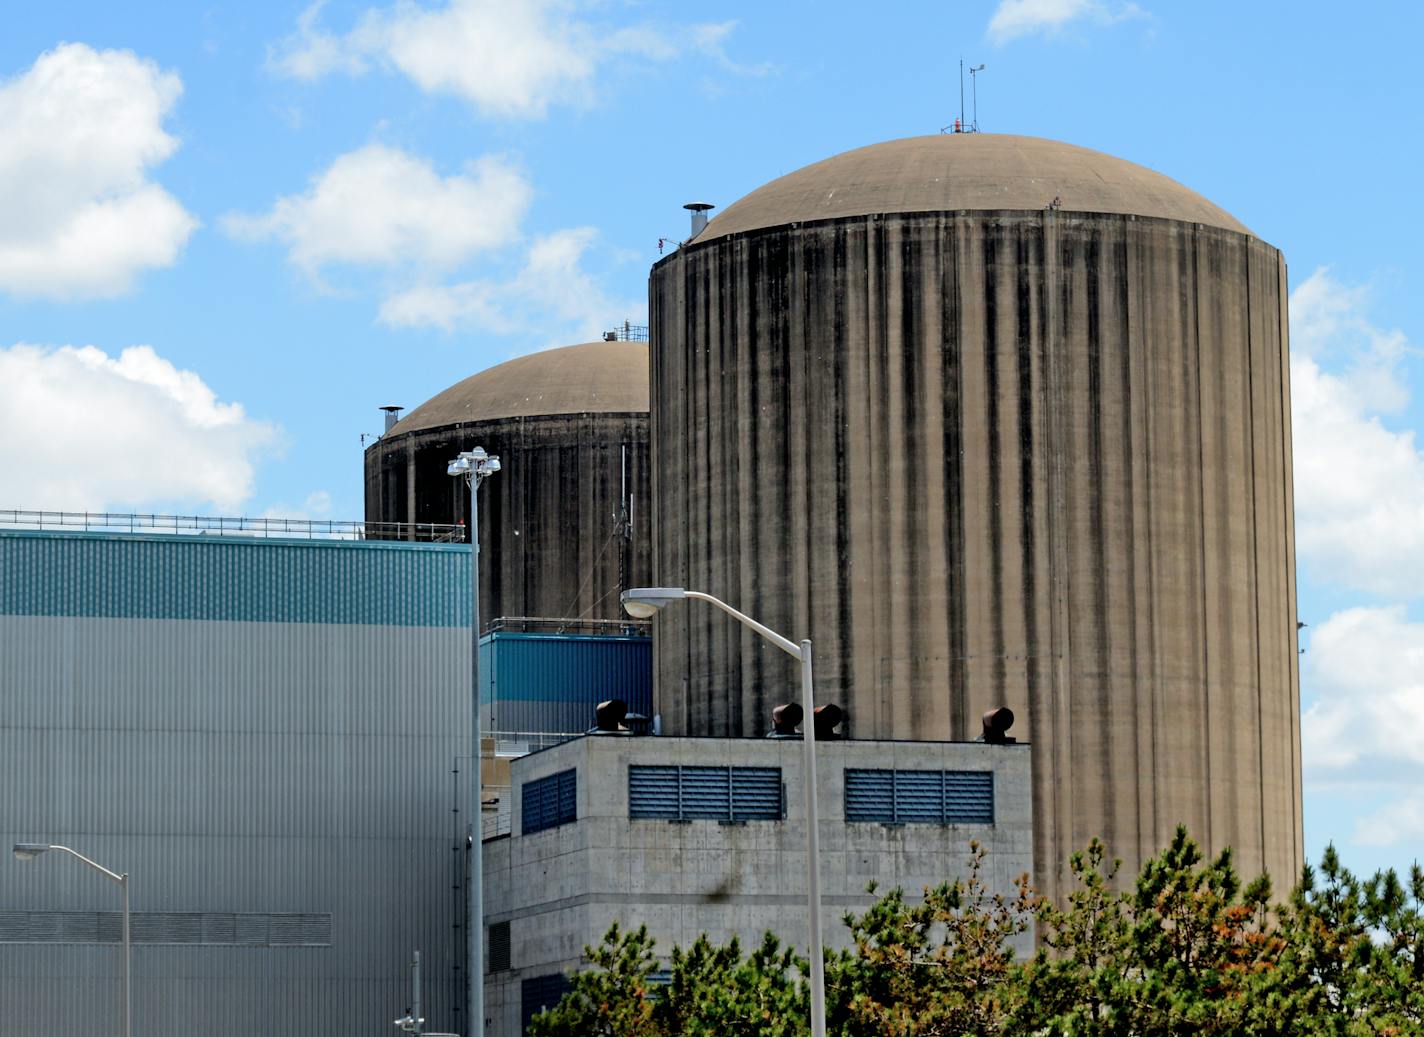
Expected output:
(475, 466)
(644, 603)
(29, 851)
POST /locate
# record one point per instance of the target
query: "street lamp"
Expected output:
(28, 852)
(644, 603)
(475, 466)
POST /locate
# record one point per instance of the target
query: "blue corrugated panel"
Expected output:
(552, 682)
(155, 576)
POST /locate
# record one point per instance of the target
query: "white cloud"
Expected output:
(1399, 822)
(316, 507)
(1365, 728)
(1359, 485)
(510, 60)
(79, 217)
(551, 291)
(378, 206)
(81, 430)
(1365, 668)
(1015, 18)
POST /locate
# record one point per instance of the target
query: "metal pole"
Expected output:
(476, 934)
(961, 95)
(415, 993)
(128, 961)
(813, 850)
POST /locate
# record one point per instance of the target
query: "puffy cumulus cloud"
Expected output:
(1359, 485)
(79, 216)
(379, 206)
(1365, 728)
(81, 430)
(1365, 669)
(509, 60)
(1329, 324)
(1015, 18)
(551, 291)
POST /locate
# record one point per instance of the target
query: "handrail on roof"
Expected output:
(217, 525)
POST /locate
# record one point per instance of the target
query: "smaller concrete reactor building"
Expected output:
(707, 835)
(566, 519)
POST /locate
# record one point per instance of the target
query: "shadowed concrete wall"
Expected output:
(547, 520)
(1034, 458)
(562, 423)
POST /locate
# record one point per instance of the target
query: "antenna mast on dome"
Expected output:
(960, 125)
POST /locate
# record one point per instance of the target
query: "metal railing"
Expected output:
(216, 525)
(627, 332)
(557, 625)
(500, 820)
(511, 744)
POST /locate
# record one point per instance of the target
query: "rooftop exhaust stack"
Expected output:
(699, 217)
(996, 726)
(608, 718)
(392, 415)
(784, 721)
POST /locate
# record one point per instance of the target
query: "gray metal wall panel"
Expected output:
(234, 766)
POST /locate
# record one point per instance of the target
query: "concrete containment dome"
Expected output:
(566, 518)
(593, 378)
(986, 449)
(966, 171)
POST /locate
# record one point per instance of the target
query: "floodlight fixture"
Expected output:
(644, 602)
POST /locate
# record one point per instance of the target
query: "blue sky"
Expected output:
(229, 232)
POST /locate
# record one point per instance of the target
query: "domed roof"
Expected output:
(948, 172)
(596, 377)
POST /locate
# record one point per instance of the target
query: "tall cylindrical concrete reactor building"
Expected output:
(995, 421)
(566, 518)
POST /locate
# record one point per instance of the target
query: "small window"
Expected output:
(920, 797)
(705, 793)
(549, 802)
(499, 947)
(540, 992)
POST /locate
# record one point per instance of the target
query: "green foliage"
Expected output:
(1187, 950)
(940, 968)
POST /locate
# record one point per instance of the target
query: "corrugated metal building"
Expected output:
(550, 683)
(262, 734)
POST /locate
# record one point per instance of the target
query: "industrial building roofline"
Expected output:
(212, 525)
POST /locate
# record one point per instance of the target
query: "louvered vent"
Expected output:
(920, 797)
(549, 802)
(499, 947)
(705, 793)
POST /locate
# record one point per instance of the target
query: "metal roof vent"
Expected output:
(827, 719)
(699, 216)
(785, 719)
(996, 726)
(608, 718)
(392, 415)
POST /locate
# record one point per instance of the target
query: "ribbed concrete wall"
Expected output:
(297, 759)
(546, 519)
(1039, 459)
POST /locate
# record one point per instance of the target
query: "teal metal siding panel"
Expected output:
(552, 682)
(128, 576)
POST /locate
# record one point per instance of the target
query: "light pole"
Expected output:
(28, 852)
(474, 466)
(643, 603)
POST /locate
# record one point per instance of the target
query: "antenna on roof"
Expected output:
(960, 125)
(974, 79)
